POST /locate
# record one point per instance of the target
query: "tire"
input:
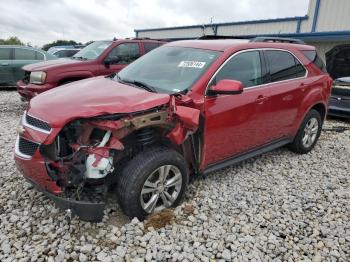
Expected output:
(143, 173)
(310, 121)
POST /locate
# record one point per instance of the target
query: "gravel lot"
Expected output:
(279, 206)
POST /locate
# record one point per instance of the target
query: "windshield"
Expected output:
(168, 69)
(92, 51)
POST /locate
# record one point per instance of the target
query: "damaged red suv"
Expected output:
(186, 108)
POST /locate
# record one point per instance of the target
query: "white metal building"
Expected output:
(326, 25)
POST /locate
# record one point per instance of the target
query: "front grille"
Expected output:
(37, 123)
(27, 147)
(26, 77)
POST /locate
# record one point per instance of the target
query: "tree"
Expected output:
(13, 40)
(60, 42)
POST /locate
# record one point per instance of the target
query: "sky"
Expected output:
(42, 21)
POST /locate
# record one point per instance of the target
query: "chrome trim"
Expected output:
(19, 153)
(257, 49)
(26, 124)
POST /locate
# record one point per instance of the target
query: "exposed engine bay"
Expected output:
(87, 154)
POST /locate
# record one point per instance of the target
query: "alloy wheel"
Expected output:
(161, 188)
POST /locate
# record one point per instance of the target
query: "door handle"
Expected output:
(261, 99)
(4, 64)
(302, 87)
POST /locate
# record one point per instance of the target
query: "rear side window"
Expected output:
(39, 56)
(5, 53)
(315, 58)
(283, 66)
(24, 54)
(150, 46)
(244, 67)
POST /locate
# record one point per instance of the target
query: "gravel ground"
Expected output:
(279, 206)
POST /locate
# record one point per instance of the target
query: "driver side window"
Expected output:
(125, 53)
(245, 67)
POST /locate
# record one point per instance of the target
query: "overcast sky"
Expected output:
(42, 21)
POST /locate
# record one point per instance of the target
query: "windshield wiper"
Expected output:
(138, 84)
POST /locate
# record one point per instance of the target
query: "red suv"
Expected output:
(186, 108)
(98, 58)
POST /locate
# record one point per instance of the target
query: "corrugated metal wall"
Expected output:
(261, 28)
(334, 15)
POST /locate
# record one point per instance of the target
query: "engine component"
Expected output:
(105, 164)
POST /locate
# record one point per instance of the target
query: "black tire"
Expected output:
(135, 173)
(298, 145)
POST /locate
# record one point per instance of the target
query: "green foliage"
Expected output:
(13, 40)
(60, 42)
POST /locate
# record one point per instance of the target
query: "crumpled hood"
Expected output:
(91, 97)
(45, 65)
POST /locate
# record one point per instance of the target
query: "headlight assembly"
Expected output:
(37, 77)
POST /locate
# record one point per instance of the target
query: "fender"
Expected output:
(73, 74)
(313, 97)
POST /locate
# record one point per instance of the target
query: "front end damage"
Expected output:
(85, 157)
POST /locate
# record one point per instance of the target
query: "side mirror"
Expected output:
(111, 60)
(226, 87)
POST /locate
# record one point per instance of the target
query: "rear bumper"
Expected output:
(28, 91)
(34, 170)
(339, 106)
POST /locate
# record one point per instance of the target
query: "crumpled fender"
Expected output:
(188, 121)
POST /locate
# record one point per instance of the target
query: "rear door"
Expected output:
(125, 53)
(23, 56)
(6, 75)
(287, 81)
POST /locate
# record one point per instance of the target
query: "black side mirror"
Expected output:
(111, 60)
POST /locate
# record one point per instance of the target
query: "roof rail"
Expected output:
(277, 40)
(143, 38)
(213, 37)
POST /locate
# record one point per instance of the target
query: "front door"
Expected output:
(121, 55)
(235, 123)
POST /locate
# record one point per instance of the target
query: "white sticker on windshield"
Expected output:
(193, 64)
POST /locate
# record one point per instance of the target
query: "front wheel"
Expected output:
(152, 181)
(308, 133)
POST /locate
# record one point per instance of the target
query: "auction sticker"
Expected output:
(193, 64)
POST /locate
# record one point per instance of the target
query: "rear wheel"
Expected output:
(308, 133)
(152, 181)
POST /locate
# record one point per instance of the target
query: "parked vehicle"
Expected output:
(186, 108)
(338, 66)
(65, 52)
(98, 58)
(53, 49)
(339, 104)
(13, 58)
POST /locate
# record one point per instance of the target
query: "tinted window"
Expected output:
(5, 53)
(169, 69)
(39, 56)
(150, 46)
(283, 66)
(315, 58)
(125, 53)
(24, 54)
(244, 67)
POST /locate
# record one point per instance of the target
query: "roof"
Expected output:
(22, 46)
(225, 44)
